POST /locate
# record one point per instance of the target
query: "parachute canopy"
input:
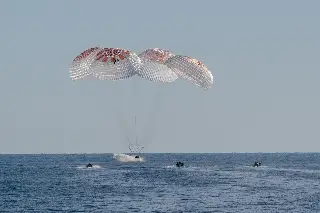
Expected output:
(105, 64)
(156, 65)
(191, 69)
(153, 66)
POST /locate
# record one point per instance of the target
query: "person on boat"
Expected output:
(89, 165)
(256, 164)
(179, 164)
(137, 156)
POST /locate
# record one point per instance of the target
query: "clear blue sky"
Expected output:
(265, 56)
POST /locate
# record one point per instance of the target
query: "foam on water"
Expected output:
(127, 158)
(85, 167)
(271, 168)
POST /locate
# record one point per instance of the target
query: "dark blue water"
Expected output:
(207, 183)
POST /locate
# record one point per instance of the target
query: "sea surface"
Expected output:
(286, 182)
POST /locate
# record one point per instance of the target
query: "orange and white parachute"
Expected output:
(153, 66)
(105, 64)
(156, 65)
(191, 69)
(115, 64)
(81, 65)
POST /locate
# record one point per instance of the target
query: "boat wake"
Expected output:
(85, 167)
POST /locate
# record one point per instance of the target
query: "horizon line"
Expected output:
(108, 153)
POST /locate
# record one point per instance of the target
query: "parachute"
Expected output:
(105, 64)
(154, 64)
(115, 64)
(81, 65)
(191, 69)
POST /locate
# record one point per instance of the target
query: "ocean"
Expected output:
(217, 182)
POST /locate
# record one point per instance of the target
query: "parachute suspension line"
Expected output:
(135, 129)
(159, 103)
(151, 124)
(134, 143)
(136, 136)
(121, 121)
(150, 128)
(138, 144)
